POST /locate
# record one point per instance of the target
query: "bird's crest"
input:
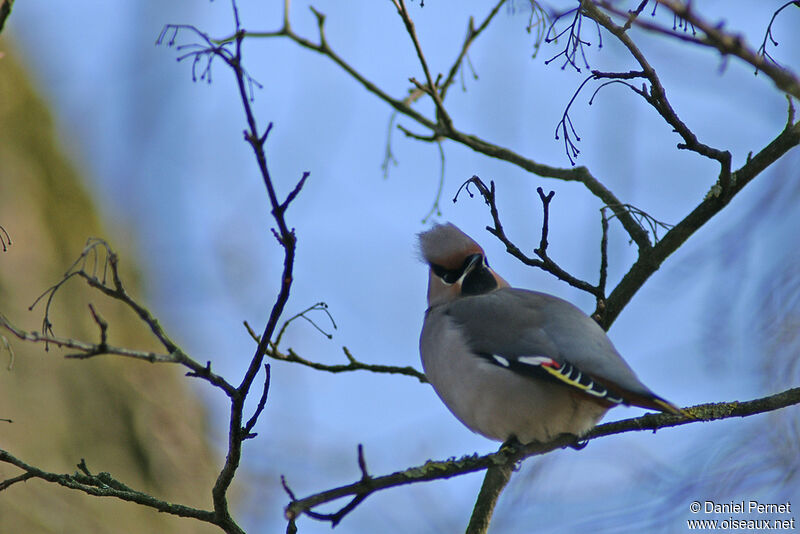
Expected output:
(447, 246)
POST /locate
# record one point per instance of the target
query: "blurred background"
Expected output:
(161, 171)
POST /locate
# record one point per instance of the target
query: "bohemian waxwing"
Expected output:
(512, 363)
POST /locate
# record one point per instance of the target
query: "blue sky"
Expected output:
(178, 185)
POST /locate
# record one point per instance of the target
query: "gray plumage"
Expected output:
(511, 363)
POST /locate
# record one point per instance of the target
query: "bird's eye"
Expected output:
(451, 276)
(448, 276)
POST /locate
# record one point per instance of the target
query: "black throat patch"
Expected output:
(478, 281)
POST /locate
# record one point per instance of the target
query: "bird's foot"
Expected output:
(577, 443)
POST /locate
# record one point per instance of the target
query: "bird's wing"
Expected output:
(542, 336)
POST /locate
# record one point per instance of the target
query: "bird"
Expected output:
(511, 364)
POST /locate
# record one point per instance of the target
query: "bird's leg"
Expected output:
(510, 446)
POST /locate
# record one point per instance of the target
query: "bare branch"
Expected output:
(713, 203)
(229, 50)
(89, 350)
(352, 365)
(336, 517)
(645, 219)
(508, 456)
(497, 477)
(762, 50)
(657, 96)
(431, 87)
(5, 484)
(542, 250)
(8, 347)
(319, 306)
(388, 155)
(575, 43)
(600, 309)
(98, 266)
(715, 37)
(543, 261)
(5, 239)
(576, 174)
(472, 34)
(103, 325)
(100, 485)
(323, 48)
(262, 402)
(435, 208)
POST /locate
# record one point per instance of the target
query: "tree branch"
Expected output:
(100, 485)
(286, 238)
(254, 136)
(5, 238)
(86, 350)
(497, 478)
(762, 50)
(576, 174)
(657, 96)
(472, 34)
(543, 261)
(353, 364)
(431, 88)
(713, 203)
(509, 456)
(98, 266)
(714, 37)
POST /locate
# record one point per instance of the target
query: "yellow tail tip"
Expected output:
(668, 407)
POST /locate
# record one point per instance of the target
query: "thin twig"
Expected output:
(575, 43)
(472, 34)
(542, 250)
(762, 50)
(714, 37)
(262, 402)
(443, 118)
(8, 347)
(352, 365)
(101, 485)
(712, 204)
(5, 484)
(657, 96)
(599, 312)
(5, 239)
(435, 208)
(543, 261)
(388, 155)
(98, 266)
(403, 106)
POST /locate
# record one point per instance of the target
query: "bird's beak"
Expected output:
(475, 261)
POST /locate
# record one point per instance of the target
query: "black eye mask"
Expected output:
(478, 280)
(449, 276)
